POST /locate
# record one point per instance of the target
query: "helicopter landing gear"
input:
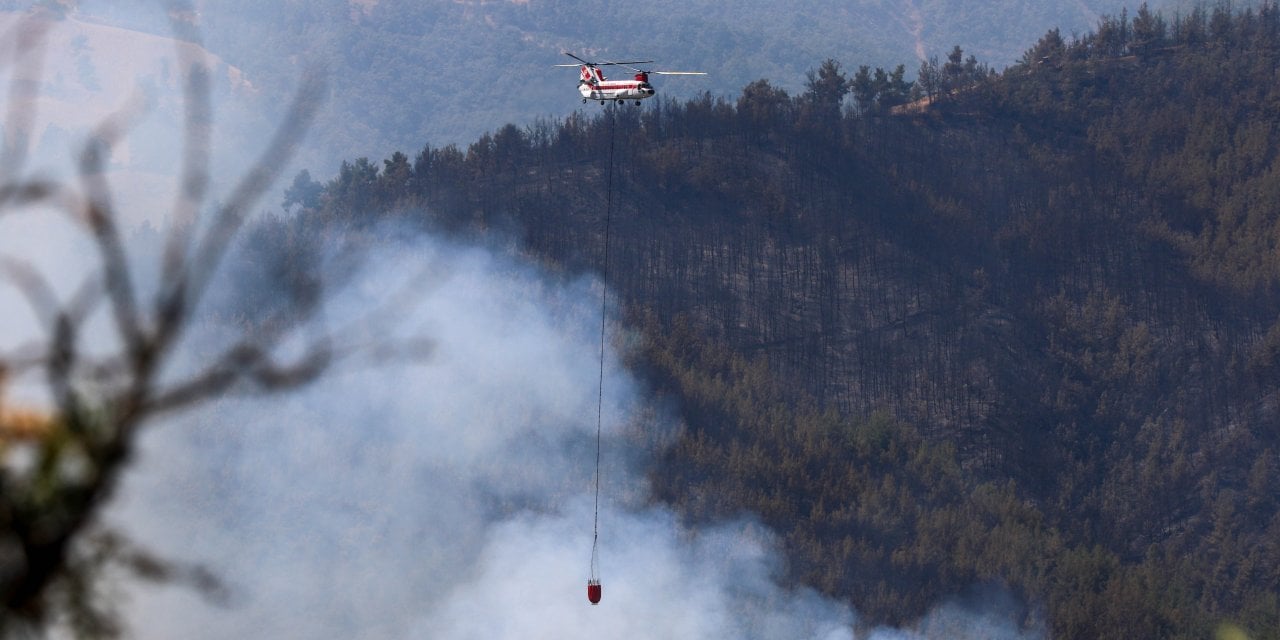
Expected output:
(637, 103)
(602, 103)
(584, 101)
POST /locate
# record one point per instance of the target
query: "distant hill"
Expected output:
(406, 72)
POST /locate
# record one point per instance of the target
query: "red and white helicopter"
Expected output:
(593, 86)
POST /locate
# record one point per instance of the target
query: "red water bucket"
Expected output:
(593, 591)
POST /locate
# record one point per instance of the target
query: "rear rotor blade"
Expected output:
(624, 64)
(599, 64)
(661, 73)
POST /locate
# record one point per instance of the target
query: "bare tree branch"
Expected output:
(27, 56)
(100, 216)
(25, 193)
(33, 285)
(228, 220)
(51, 552)
(101, 401)
(197, 105)
(242, 363)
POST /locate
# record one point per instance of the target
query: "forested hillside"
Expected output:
(1014, 328)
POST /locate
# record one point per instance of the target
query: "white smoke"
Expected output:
(453, 498)
(447, 499)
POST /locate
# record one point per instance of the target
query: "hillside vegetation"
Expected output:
(1024, 333)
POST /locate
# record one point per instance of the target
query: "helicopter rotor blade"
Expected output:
(599, 64)
(661, 73)
(626, 64)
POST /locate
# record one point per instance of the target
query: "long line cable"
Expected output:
(604, 308)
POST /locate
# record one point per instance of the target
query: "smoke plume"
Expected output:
(453, 497)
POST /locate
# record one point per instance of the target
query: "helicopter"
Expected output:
(593, 85)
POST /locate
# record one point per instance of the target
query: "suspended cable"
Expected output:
(593, 584)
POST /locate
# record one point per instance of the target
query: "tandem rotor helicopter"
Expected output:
(593, 86)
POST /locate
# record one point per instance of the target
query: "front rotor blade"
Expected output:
(680, 73)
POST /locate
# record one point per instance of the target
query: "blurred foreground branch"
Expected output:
(60, 464)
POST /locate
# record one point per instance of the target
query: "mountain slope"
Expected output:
(1025, 335)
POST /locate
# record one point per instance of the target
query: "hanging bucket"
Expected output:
(593, 591)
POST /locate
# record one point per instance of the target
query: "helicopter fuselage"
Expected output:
(592, 84)
(637, 88)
